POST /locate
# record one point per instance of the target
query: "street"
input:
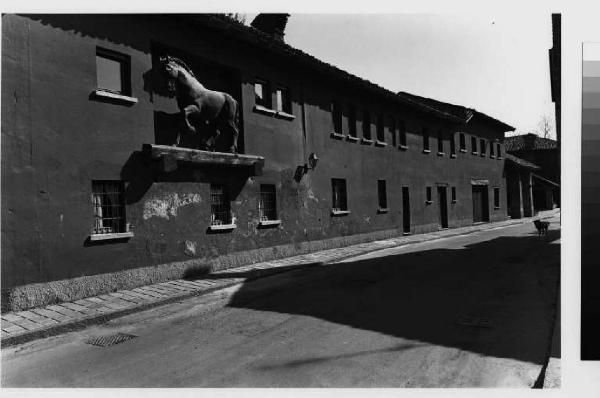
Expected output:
(469, 311)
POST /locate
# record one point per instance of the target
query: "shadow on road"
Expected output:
(495, 297)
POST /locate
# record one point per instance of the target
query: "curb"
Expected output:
(256, 273)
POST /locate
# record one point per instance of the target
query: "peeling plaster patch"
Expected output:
(189, 247)
(167, 206)
(311, 195)
(367, 219)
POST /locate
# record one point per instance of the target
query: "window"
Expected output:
(440, 143)
(366, 126)
(336, 114)
(428, 199)
(482, 150)
(113, 72)
(425, 140)
(352, 121)
(453, 194)
(402, 134)
(283, 100)
(452, 145)
(492, 149)
(267, 206)
(380, 133)
(462, 142)
(262, 93)
(496, 198)
(474, 145)
(499, 150)
(220, 207)
(393, 130)
(382, 195)
(338, 189)
(108, 203)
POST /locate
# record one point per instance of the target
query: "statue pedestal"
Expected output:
(170, 155)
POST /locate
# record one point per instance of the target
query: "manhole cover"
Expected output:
(107, 341)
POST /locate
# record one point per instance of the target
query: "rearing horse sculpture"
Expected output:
(200, 106)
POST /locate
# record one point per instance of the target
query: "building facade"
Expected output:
(95, 196)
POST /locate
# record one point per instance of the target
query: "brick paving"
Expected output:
(21, 326)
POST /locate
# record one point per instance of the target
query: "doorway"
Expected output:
(480, 204)
(405, 210)
(443, 203)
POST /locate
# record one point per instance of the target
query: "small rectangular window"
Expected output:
(267, 206)
(366, 125)
(482, 150)
(440, 142)
(220, 207)
(108, 203)
(453, 194)
(499, 150)
(338, 190)
(402, 134)
(336, 114)
(262, 93)
(428, 195)
(380, 132)
(474, 145)
(452, 145)
(284, 103)
(496, 198)
(425, 139)
(113, 71)
(382, 194)
(462, 142)
(492, 149)
(352, 121)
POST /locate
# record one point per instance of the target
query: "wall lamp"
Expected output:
(313, 159)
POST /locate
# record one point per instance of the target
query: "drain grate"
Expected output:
(107, 341)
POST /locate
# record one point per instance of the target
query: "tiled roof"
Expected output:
(528, 142)
(256, 37)
(521, 162)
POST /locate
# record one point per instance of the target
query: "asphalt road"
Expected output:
(468, 311)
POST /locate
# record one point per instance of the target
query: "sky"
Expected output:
(495, 64)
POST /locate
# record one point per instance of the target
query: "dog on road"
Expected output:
(541, 226)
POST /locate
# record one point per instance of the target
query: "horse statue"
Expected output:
(205, 112)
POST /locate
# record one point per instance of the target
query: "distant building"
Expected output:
(96, 198)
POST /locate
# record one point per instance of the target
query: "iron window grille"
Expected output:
(366, 126)
(496, 198)
(352, 121)
(425, 139)
(462, 142)
(482, 145)
(440, 142)
(474, 145)
(262, 93)
(220, 206)
(284, 103)
(113, 71)
(402, 133)
(382, 194)
(108, 204)
(267, 206)
(338, 190)
(336, 114)
(380, 133)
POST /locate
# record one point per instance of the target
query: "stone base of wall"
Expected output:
(41, 294)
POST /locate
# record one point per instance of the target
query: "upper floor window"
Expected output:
(366, 125)
(402, 132)
(482, 150)
(267, 205)
(462, 142)
(262, 93)
(425, 140)
(440, 143)
(393, 130)
(108, 203)
(496, 198)
(283, 100)
(380, 132)
(499, 151)
(492, 149)
(336, 114)
(113, 75)
(452, 145)
(352, 121)
(474, 145)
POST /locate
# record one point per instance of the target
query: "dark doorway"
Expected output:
(442, 200)
(480, 203)
(405, 210)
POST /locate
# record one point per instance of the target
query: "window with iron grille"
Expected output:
(220, 207)
(440, 142)
(338, 190)
(352, 121)
(483, 150)
(496, 198)
(262, 93)
(336, 113)
(425, 139)
(402, 133)
(380, 133)
(382, 194)
(366, 125)
(452, 144)
(474, 145)
(108, 203)
(462, 142)
(267, 206)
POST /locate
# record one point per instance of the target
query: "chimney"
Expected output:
(271, 24)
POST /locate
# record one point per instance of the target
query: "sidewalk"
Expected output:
(22, 326)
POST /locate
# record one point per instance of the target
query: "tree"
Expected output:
(545, 127)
